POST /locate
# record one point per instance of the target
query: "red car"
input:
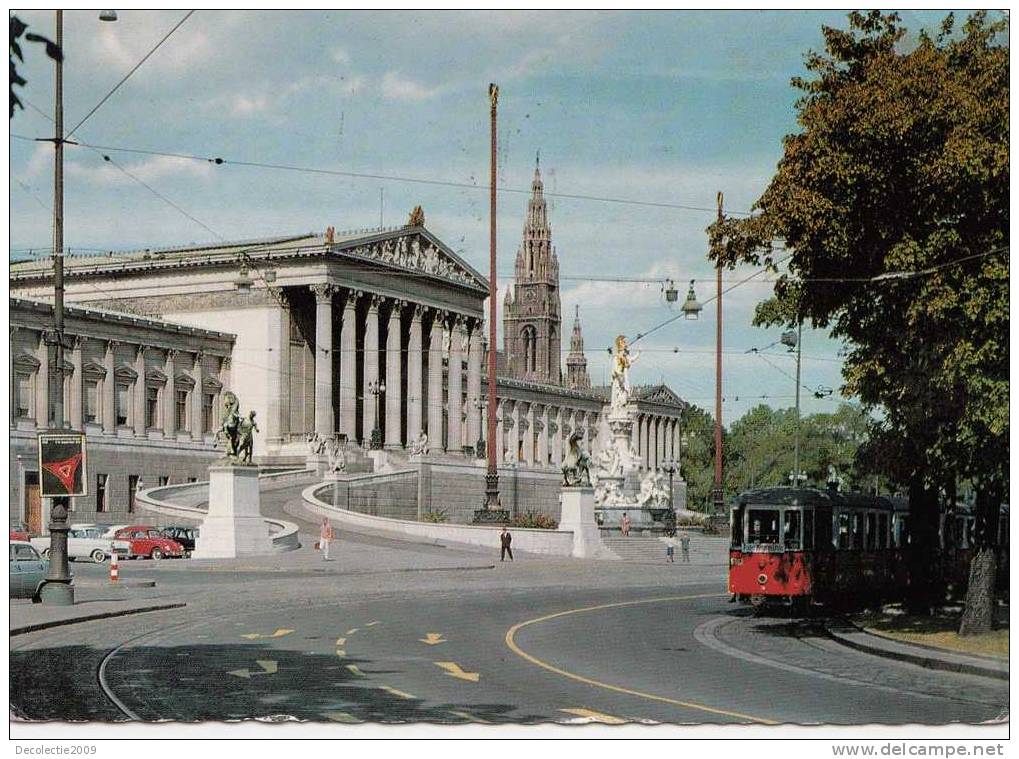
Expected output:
(19, 531)
(146, 540)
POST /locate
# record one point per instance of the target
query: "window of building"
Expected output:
(132, 490)
(91, 410)
(164, 480)
(208, 406)
(152, 407)
(101, 480)
(180, 406)
(24, 390)
(123, 405)
(192, 479)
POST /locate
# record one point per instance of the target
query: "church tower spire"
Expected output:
(577, 377)
(531, 318)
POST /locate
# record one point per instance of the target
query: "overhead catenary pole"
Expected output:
(492, 475)
(58, 590)
(796, 444)
(717, 495)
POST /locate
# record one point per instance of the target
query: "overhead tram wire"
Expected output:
(128, 74)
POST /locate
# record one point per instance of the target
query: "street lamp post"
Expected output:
(481, 404)
(376, 389)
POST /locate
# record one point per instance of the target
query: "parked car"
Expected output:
(85, 542)
(186, 536)
(147, 540)
(28, 571)
(19, 530)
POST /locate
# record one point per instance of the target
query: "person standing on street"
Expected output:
(684, 542)
(624, 525)
(505, 538)
(325, 537)
(670, 549)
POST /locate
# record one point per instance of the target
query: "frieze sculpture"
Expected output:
(428, 259)
(621, 363)
(576, 464)
(419, 447)
(316, 444)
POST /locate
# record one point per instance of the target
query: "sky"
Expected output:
(660, 107)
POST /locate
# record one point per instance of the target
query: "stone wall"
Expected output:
(393, 496)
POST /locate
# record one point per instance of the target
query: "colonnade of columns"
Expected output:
(534, 434)
(656, 439)
(406, 346)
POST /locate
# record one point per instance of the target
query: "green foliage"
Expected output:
(17, 29)
(696, 462)
(533, 520)
(439, 515)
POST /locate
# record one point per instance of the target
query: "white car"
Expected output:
(84, 542)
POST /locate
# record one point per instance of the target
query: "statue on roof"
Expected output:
(330, 235)
(417, 217)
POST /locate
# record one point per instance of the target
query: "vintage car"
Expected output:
(19, 531)
(186, 536)
(148, 541)
(28, 571)
(85, 542)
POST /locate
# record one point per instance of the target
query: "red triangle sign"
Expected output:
(65, 470)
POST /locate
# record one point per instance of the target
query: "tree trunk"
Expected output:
(983, 568)
(922, 557)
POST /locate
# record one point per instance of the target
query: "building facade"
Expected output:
(146, 394)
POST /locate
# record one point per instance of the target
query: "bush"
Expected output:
(534, 520)
(435, 516)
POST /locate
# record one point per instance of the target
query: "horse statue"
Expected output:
(576, 463)
(229, 430)
(246, 438)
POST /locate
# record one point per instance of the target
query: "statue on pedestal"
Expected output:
(337, 461)
(576, 463)
(229, 429)
(246, 430)
(621, 363)
(419, 446)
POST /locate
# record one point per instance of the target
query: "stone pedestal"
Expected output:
(577, 515)
(234, 526)
(318, 463)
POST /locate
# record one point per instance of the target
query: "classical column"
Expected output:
(527, 435)
(139, 391)
(455, 385)
(170, 402)
(414, 378)
(198, 375)
(541, 424)
(394, 367)
(677, 441)
(323, 359)
(348, 367)
(11, 379)
(42, 384)
(500, 430)
(371, 366)
(474, 387)
(645, 441)
(277, 412)
(556, 421)
(109, 401)
(516, 434)
(77, 386)
(435, 441)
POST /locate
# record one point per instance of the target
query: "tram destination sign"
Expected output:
(62, 470)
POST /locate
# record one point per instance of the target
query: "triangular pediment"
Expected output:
(414, 249)
(125, 373)
(661, 394)
(183, 380)
(155, 376)
(26, 362)
(92, 370)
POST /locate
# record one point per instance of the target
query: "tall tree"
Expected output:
(894, 202)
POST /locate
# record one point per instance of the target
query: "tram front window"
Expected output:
(737, 527)
(763, 526)
(791, 530)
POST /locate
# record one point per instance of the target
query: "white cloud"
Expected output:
(245, 105)
(340, 56)
(396, 87)
(41, 161)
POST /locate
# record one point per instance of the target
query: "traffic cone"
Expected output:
(114, 567)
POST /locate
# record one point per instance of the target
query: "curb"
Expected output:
(923, 656)
(91, 617)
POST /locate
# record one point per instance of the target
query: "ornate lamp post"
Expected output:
(376, 389)
(481, 404)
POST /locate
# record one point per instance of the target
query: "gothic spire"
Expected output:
(577, 377)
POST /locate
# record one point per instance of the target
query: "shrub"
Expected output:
(435, 516)
(534, 520)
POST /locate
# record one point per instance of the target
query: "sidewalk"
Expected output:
(925, 656)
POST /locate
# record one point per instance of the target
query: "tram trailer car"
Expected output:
(800, 545)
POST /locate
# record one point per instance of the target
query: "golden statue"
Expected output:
(621, 363)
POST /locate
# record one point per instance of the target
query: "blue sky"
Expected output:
(656, 106)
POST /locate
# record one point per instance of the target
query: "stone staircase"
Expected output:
(647, 549)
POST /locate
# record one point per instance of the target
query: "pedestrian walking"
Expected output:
(624, 526)
(505, 538)
(684, 542)
(670, 549)
(325, 537)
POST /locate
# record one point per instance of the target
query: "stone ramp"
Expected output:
(646, 549)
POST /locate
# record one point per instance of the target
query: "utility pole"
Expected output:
(492, 475)
(796, 445)
(716, 493)
(58, 590)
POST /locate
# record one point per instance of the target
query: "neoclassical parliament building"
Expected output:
(306, 330)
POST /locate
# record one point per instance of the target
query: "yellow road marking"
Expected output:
(454, 670)
(269, 667)
(340, 717)
(607, 719)
(432, 639)
(469, 717)
(353, 668)
(372, 623)
(395, 692)
(340, 652)
(278, 634)
(341, 641)
(352, 630)
(511, 643)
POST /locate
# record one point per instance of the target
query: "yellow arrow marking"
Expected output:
(278, 634)
(341, 641)
(269, 667)
(352, 630)
(453, 670)
(395, 692)
(340, 652)
(340, 717)
(372, 623)
(593, 716)
(432, 639)
(353, 668)
(469, 717)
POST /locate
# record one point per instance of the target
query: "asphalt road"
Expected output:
(527, 642)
